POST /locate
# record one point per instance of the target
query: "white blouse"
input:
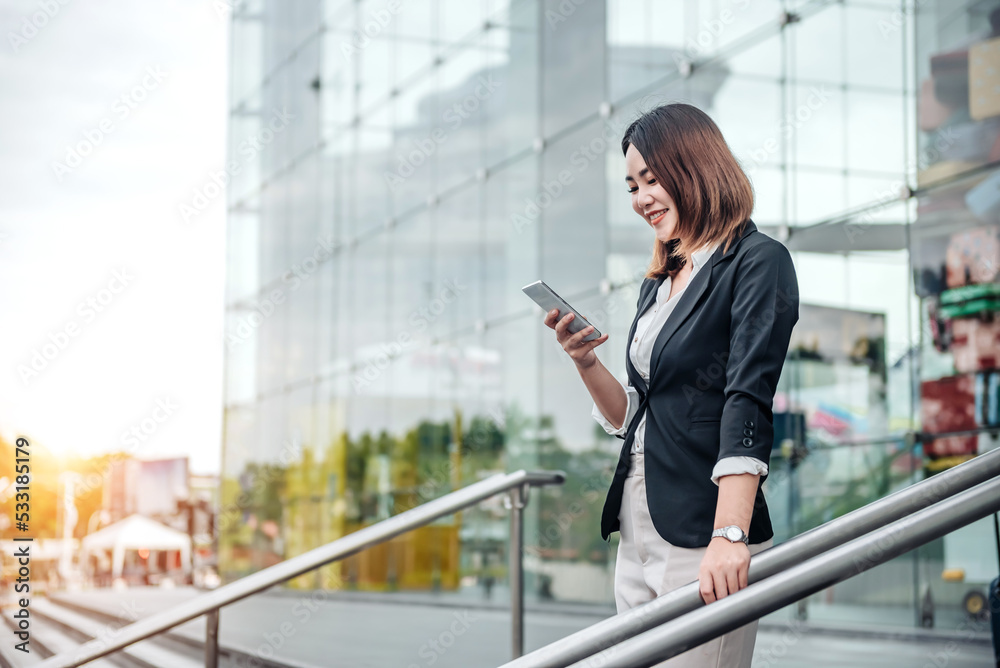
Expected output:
(640, 353)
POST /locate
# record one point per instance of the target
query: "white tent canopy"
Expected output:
(136, 532)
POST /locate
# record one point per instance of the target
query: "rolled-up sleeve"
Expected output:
(633, 405)
(737, 465)
(765, 307)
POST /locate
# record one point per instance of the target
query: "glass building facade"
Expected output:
(400, 169)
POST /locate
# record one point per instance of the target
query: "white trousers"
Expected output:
(648, 566)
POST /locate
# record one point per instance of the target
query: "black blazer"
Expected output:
(713, 373)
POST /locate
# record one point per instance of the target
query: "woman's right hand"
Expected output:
(581, 352)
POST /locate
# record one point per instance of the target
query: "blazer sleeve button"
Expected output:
(748, 423)
(748, 432)
(747, 442)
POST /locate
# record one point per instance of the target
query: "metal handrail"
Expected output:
(767, 563)
(802, 580)
(517, 483)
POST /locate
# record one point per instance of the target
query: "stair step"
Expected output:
(55, 639)
(147, 651)
(191, 636)
(15, 658)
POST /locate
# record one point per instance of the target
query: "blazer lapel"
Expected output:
(633, 373)
(692, 293)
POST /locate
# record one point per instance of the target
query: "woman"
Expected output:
(706, 348)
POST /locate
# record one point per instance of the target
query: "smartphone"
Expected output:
(547, 298)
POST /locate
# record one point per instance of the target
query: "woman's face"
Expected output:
(649, 199)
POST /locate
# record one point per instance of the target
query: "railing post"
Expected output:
(212, 639)
(518, 499)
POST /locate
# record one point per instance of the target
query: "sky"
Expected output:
(113, 113)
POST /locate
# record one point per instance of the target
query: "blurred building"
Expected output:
(398, 171)
(166, 491)
(149, 487)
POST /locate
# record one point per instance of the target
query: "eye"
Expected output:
(652, 182)
(632, 190)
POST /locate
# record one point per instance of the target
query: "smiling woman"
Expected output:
(697, 174)
(704, 354)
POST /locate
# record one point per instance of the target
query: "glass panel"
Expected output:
(509, 113)
(755, 132)
(241, 356)
(458, 20)
(568, 56)
(338, 77)
(721, 25)
(414, 23)
(235, 536)
(242, 254)
(327, 309)
(876, 38)
(875, 133)
(298, 119)
(375, 73)
(762, 59)
(818, 44)
(634, 23)
(958, 116)
(453, 144)
(246, 35)
(768, 186)
(818, 195)
(244, 156)
(815, 125)
(454, 302)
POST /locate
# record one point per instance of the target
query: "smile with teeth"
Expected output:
(656, 215)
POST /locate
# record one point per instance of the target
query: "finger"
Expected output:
(732, 582)
(550, 318)
(721, 589)
(574, 340)
(744, 576)
(577, 339)
(705, 588)
(564, 323)
(593, 343)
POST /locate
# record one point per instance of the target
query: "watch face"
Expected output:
(734, 534)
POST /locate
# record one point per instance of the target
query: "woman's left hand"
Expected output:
(723, 569)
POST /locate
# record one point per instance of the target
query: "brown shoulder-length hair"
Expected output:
(686, 153)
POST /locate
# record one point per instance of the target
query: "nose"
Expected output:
(645, 199)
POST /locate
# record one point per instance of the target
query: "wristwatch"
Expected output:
(733, 534)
